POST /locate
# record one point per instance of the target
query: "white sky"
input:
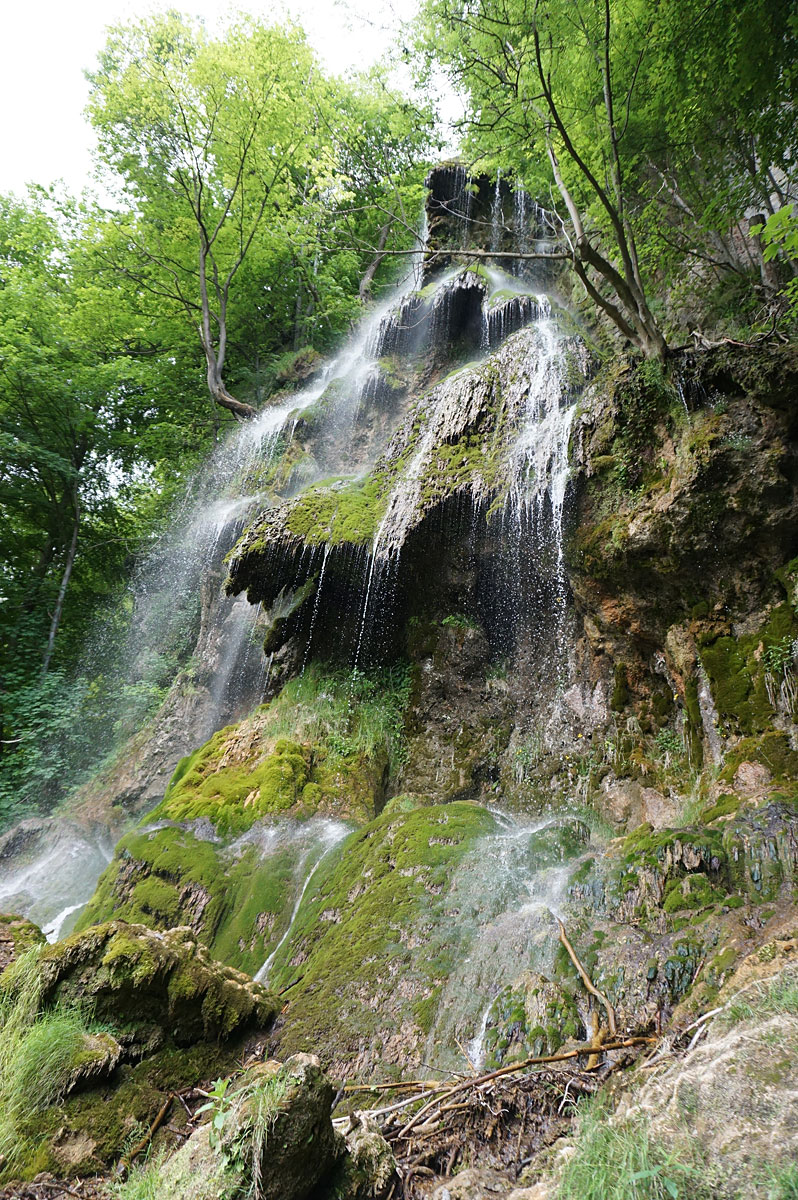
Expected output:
(46, 45)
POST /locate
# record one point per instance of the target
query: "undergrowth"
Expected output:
(39, 1052)
(763, 998)
(621, 1161)
(352, 711)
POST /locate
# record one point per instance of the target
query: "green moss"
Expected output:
(692, 892)
(377, 912)
(742, 669)
(103, 1121)
(772, 749)
(238, 906)
(725, 806)
(343, 511)
(620, 689)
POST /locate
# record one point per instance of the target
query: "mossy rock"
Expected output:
(378, 913)
(238, 901)
(17, 934)
(277, 1130)
(234, 796)
(90, 1129)
(772, 749)
(158, 986)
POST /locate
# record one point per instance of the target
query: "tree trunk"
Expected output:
(368, 278)
(59, 604)
(220, 393)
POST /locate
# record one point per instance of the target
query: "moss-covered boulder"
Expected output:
(236, 898)
(17, 935)
(275, 1139)
(156, 986)
(376, 937)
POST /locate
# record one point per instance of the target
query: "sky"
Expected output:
(47, 45)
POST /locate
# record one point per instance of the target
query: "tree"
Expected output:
(209, 138)
(666, 126)
(556, 81)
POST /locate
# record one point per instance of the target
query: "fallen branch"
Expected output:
(514, 1068)
(587, 981)
(148, 1136)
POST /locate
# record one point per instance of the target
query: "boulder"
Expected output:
(17, 934)
(277, 1139)
(158, 985)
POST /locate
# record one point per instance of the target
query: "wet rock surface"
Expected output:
(159, 985)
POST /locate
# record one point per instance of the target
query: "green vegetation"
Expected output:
(619, 1160)
(386, 889)
(338, 512)
(662, 186)
(763, 998)
(41, 1056)
(322, 744)
(102, 414)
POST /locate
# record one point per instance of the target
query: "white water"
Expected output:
(53, 881)
(510, 891)
(325, 836)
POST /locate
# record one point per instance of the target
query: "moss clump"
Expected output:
(88, 1131)
(745, 671)
(773, 750)
(644, 848)
(235, 796)
(343, 511)
(726, 805)
(323, 745)
(238, 905)
(694, 892)
(620, 688)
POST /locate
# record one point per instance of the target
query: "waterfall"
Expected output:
(316, 839)
(504, 899)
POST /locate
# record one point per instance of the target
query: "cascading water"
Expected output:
(314, 841)
(510, 890)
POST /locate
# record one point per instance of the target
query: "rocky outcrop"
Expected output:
(275, 1136)
(159, 986)
(16, 936)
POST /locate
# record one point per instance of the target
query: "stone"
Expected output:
(474, 1183)
(752, 779)
(154, 985)
(367, 1167)
(628, 805)
(17, 934)
(278, 1131)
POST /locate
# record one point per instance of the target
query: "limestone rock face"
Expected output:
(164, 985)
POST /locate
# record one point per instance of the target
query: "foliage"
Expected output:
(102, 413)
(658, 127)
(619, 1160)
(220, 1106)
(38, 1054)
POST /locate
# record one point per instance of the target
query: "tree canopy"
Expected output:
(248, 200)
(657, 129)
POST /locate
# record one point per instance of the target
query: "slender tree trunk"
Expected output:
(215, 360)
(368, 278)
(59, 604)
